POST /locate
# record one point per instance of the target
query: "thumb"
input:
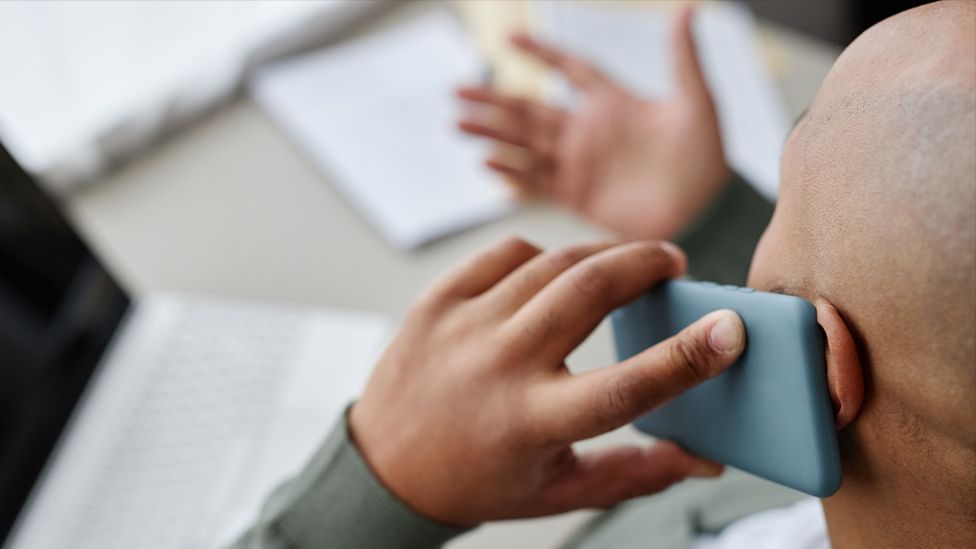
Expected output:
(608, 477)
(687, 68)
(607, 398)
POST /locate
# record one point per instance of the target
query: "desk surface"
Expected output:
(229, 207)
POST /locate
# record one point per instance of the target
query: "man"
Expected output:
(470, 413)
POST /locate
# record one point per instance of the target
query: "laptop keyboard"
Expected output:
(211, 394)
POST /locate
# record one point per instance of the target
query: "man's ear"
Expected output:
(844, 377)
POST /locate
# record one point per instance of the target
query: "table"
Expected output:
(229, 207)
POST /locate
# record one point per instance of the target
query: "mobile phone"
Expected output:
(770, 413)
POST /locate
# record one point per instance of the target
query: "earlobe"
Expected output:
(844, 376)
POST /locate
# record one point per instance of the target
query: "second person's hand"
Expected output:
(642, 168)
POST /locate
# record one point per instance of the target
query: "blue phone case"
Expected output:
(770, 413)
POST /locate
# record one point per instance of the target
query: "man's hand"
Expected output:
(643, 168)
(471, 411)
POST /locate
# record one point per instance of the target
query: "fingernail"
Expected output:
(675, 252)
(727, 333)
(706, 469)
(672, 249)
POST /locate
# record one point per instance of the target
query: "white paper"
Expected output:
(633, 47)
(89, 83)
(379, 117)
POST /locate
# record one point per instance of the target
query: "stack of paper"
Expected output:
(89, 84)
(632, 45)
(378, 116)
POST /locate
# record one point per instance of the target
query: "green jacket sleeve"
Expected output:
(336, 502)
(720, 242)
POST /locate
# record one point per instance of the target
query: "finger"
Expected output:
(533, 275)
(580, 73)
(489, 96)
(515, 106)
(508, 168)
(557, 319)
(528, 169)
(529, 125)
(491, 132)
(483, 270)
(514, 175)
(608, 477)
(599, 401)
(687, 68)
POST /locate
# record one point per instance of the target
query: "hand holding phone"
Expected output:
(770, 413)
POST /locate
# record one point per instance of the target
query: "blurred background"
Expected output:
(308, 151)
(835, 21)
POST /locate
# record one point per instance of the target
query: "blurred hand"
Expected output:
(471, 412)
(643, 168)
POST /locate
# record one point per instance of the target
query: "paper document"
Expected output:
(378, 117)
(633, 46)
(89, 84)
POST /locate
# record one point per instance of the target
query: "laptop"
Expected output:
(159, 421)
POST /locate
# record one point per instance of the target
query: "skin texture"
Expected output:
(617, 159)
(875, 224)
(471, 413)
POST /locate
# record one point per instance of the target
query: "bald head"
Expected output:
(877, 213)
(876, 223)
